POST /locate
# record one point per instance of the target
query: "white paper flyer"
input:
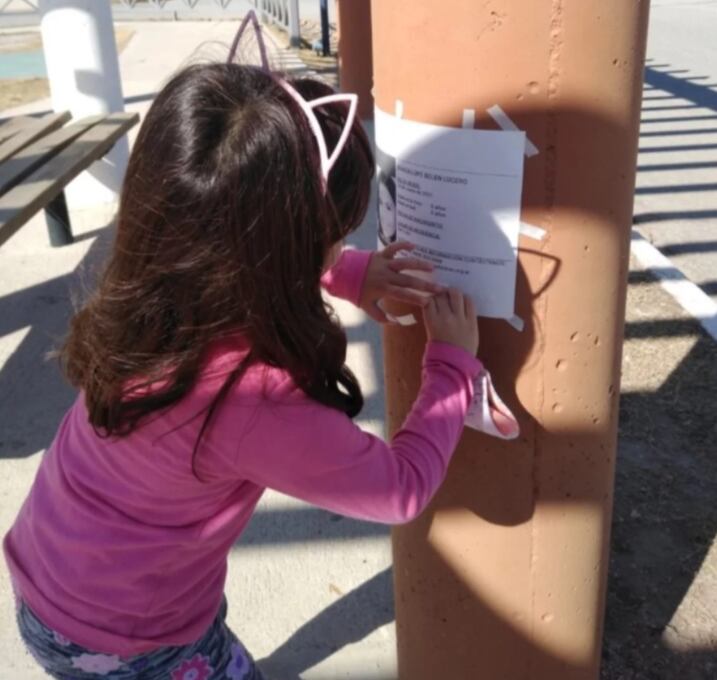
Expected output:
(455, 193)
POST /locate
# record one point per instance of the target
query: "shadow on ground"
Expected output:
(33, 394)
(666, 498)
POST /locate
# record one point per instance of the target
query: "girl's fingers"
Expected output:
(403, 263)
(442, 305)
(455, 299)
(470, 309)
(390, 251)
(406, 281)
(430, 312)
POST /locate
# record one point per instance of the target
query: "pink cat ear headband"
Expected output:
(327, 161)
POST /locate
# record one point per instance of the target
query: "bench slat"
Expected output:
(23, 201)
(28, 134)
(11, 126)
(27, 160)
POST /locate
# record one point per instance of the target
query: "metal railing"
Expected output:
(283, 13)
(18, 6)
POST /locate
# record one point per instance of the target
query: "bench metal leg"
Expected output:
(58, 221)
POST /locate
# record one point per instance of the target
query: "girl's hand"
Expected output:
(450, 317)
(384, 279)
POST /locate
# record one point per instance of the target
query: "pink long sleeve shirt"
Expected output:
(122, 549)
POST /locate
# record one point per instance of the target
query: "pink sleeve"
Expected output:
(345, 278)
(319, 455)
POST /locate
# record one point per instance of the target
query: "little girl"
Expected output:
(210, 368)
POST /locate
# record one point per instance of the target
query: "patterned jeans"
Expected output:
(218, 654)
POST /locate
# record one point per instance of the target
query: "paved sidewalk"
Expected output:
(676, 198)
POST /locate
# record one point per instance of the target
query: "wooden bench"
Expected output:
(40, 156)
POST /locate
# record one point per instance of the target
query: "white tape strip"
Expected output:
(532, 231)
(505, 123)
(516, 322)
(399, 108)
(690, 296)
(403, 320)
(469, 119)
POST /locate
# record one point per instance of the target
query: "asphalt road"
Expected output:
(676, 196)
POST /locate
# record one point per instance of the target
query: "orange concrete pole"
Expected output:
(355, 58)
(503, 577)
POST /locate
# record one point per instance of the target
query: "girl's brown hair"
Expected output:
(223, 227)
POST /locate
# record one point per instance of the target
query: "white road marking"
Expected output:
(687, 294)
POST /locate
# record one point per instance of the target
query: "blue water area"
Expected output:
(30, 64)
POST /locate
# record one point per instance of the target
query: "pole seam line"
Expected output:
(554, 69)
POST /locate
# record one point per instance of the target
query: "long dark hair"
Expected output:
(223, 228)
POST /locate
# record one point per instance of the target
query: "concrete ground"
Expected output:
(661, 620)
(676, 197)
(310, 592)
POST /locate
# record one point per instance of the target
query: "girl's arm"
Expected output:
(317, 454)
(346, 277)
(363, 277)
